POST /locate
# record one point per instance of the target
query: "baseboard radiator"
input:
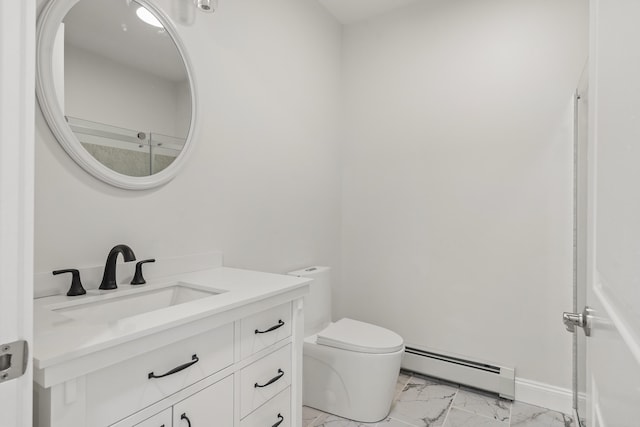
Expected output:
(480, 375)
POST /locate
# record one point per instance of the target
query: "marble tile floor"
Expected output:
(426, 402)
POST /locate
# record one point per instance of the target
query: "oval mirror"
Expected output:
(115, 86)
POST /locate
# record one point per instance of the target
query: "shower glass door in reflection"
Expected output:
(127, 151)
(164, 150)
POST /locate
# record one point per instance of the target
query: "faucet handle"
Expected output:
(76, 285)
(138, 279)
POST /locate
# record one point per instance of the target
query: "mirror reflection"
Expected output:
(122, 85)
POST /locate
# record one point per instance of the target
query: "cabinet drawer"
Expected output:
(276, 410)
(263, 379)
(124, 388)
(163, 419)
(265, 328)
(211, 407)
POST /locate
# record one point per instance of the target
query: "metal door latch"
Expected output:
(14, 358)
(571, 320)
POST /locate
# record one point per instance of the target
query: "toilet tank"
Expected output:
(317, 304)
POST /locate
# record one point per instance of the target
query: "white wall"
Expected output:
(457, 216)
(262, 185)
(102, 90)
(183, 105)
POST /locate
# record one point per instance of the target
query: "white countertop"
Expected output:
(60, 339)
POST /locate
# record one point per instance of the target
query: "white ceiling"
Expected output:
(349, 11)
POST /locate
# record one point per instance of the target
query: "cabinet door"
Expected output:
(163, 419)
(211, 407)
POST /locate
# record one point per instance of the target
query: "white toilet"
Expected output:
(350, 368)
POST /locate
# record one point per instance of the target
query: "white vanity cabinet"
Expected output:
(239, 367)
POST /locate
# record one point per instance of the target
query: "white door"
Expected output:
(613, 255)
(17, 53)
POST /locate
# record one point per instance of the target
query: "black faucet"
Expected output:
(109, 276)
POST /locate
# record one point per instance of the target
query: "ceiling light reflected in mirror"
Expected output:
(148, 17)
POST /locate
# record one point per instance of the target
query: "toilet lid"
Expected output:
(349, 334)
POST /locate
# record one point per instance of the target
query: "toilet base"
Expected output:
(352, 385)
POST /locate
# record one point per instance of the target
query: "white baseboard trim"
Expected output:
(544, 395)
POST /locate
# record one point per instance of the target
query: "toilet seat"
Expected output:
(352, 335)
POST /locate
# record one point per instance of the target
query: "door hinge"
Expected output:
(14, 358)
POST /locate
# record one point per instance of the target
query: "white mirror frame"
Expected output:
(49, 21)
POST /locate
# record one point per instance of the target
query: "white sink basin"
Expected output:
(117, 305)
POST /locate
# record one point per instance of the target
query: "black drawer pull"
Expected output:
(281, 419)
(273, 328)
(184, 417)
(271, 381)
(194, 360)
